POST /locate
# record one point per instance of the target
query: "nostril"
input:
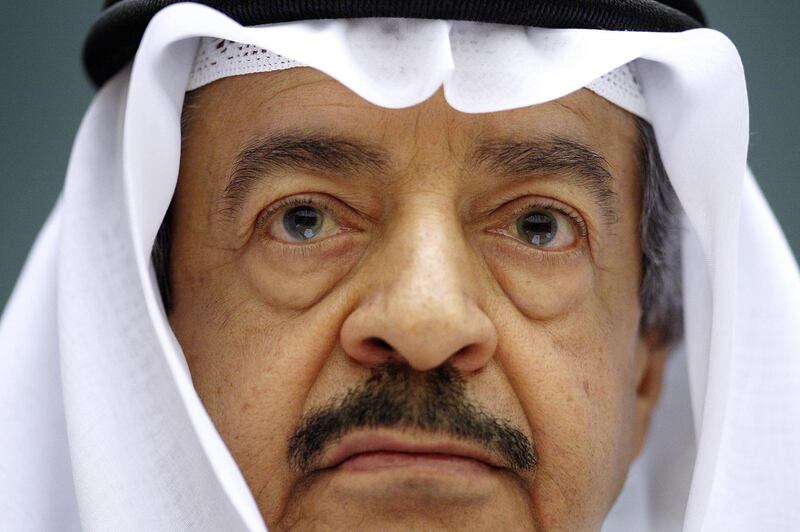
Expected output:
(461, 351)
(378, 343)
(374, 351)
(469, 358)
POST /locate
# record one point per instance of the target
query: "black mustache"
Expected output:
(396, 396)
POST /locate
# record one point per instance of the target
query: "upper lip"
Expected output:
(368, 442)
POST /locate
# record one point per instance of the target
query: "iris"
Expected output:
(303, 222)
(537, 227)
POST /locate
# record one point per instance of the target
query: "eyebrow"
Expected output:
(314, 152)
(318, 152)
(583, 165)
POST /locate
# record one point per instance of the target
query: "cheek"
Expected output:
(254, 363)
(572, 381)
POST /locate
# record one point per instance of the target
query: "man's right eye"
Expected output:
(537, 227)
(303, 222)
(300, 221)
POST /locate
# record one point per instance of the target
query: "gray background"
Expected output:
(44, 94)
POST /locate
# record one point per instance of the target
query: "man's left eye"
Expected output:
(301, 223)
(545, 229)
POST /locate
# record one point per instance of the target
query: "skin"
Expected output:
(423, 257)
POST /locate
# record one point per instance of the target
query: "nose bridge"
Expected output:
(424, 309)
(428, 245)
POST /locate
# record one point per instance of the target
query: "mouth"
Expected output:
(381, 451)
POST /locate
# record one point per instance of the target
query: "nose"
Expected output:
(423, 309)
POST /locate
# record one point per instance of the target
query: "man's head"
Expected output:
(420, 317)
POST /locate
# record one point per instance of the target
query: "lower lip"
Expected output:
(384, 460)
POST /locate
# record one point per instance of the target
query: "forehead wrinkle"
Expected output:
(574, 110)
(278, 84)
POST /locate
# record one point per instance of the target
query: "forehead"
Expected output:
(306, 99)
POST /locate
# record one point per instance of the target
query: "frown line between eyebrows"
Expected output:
(555, 155)
(314, 152)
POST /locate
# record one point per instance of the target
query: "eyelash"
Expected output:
(298, 250)
(545, 204)
(293, 201)
(550, 257)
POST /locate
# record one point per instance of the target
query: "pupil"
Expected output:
(538, 228)
(302, 222)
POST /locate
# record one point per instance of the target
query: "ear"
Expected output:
(651, 354)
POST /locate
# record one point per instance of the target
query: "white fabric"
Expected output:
(101, 427)
(621, 87)
(221, 58)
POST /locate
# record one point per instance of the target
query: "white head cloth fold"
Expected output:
(101, 426)
(220, 58)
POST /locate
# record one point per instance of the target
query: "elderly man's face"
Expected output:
(414, 318)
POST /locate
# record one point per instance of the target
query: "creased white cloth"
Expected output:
(220, 58)
(100, 427)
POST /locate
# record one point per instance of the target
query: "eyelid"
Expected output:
(347, 220)
(523, 205)
(271, 210)
(506, 215)
(265, 218)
